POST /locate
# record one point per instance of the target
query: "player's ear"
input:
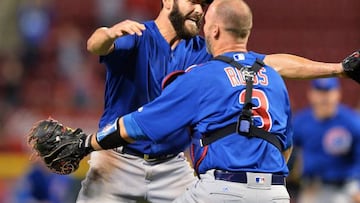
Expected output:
(215, 31)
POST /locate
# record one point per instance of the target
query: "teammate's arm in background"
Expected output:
(101, 42)
(296, 67)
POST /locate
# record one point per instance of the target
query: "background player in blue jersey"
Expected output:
(328, 137)
(40, 185)
(138, 56)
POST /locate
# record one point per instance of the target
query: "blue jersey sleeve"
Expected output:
(176, 108)
(257, 55)
(297, 123)
(132, 128)
(353, 122)
(289, 134)
(123, 46)
(125, 43)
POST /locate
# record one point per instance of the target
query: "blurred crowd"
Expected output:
(45, 69)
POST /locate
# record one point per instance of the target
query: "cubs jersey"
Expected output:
(330, 147)
(135, 70)
(211, 96)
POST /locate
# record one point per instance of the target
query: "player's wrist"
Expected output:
(88, 144)
(94, 143)
(111, 35)
(108, 137)
(84, 144)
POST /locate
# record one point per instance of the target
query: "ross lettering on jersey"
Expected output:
(256, 81)
(240, 76)
(233, 76)
(237, 78)
(262, 77)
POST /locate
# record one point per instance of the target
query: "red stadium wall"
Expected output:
(317, 29)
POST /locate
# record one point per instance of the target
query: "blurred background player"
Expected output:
(327, 138)
(40, 185)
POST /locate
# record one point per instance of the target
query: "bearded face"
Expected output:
(186, 25)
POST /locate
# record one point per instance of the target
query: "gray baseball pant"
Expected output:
(115, 178)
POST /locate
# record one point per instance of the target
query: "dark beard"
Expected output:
(178, 22)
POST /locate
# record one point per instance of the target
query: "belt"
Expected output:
(241, 177)
(146, 157)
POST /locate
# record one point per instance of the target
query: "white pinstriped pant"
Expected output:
(209, 190)
(115, 178)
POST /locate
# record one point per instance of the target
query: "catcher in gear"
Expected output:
(62, 148)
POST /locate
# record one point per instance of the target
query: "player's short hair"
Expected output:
(236, 21)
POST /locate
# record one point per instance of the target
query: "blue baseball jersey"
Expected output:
(135, 70)
(211, 96)
(331, 147)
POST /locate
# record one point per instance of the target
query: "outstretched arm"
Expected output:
(101, 42)
(296, 67)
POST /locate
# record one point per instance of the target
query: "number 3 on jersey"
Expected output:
(261, 108)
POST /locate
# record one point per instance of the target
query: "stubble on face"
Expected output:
(186, 26)
(208, 45)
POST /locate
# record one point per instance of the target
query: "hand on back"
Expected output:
(126, 27)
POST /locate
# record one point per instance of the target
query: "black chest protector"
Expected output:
(244, 126)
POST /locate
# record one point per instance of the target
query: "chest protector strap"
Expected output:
(244, 125)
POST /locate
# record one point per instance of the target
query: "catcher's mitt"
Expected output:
(351, 65)
(60, 147)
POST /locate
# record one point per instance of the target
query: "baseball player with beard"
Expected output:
(137, 57)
